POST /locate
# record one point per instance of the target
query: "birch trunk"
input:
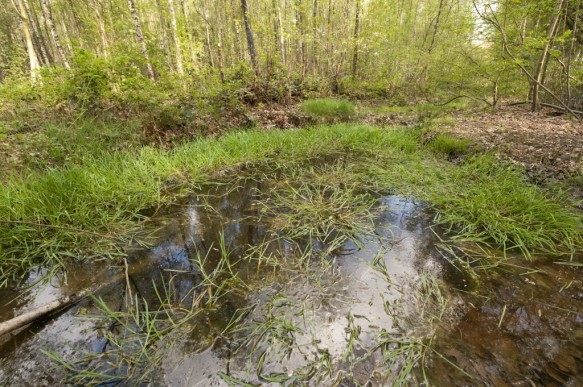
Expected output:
(33, 59)
(37, 38)
(56, 41)
(175, 38)
(101, 26)
(140, 38)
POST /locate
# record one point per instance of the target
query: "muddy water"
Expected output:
(320, 322)
(522, 327)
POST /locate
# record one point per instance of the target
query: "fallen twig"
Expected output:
(33, 315)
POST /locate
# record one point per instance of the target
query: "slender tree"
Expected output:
(41, 47)
(98, 9)
(355, 36)
(25, 22)
(140, 38)
(175, 38)
(56, 41)
(250, 39)
(544, 58)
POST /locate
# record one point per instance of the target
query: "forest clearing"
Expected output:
(291, 192)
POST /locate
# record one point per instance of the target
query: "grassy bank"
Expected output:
(92, 209)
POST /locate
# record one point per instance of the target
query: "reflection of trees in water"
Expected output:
(198, 231)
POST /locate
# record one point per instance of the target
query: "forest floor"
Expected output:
(546, 146)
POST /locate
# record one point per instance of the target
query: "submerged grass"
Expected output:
(137, 339)
(90, 210)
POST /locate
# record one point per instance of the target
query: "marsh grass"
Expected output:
(94, 209)
(328, 108)
(219, 278)
(320, 213)
(497, 207)
(408, 350)
(449, 146)
(137, 341)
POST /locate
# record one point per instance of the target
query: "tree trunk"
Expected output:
(542, 65)
(220, 57)
(97, 7)
(302, 38)
(41, 47)
(140, 38)
(281, 36)
(164, 30)
(249, 34)
(571, 51)
(209, 46)
(424, 72)
(355, 36)
(179, 66)
(77, 29)
(33, 59)
(314, 46)
(236, 33)
(56, 41)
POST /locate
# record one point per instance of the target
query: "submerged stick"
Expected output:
(33, 315)
(53, 306)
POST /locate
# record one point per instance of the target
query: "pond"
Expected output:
(227, 294)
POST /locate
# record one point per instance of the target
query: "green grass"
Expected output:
(56, 144)
(328, 108)
(93, 209)
(448, 145)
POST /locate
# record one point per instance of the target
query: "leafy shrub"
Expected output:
(328, 108)
(88, 80)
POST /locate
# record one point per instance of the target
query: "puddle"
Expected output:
(519, 328)
(327, 319)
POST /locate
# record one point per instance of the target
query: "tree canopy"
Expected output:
(440, 49)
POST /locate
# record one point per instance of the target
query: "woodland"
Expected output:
(292, 192)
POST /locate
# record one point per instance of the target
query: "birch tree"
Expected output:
(56, 40)
(25, 23)
(175, 38)
(140, 38)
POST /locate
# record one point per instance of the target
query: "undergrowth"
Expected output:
(94, 208)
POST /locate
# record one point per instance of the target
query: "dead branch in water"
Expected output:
(54, 306)
(40, 312)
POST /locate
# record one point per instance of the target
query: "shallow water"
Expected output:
(316, 322)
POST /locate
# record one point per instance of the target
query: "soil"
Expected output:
(546, 145)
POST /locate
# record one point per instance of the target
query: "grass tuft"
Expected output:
(448, 145)
(328, 108)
